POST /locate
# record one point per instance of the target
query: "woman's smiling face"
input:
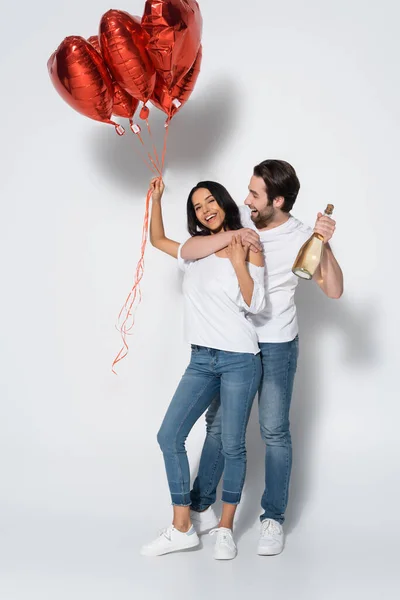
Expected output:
(208, 211)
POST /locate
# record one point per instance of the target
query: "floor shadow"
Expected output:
(197, 134)
(317, 315)
(357, 327)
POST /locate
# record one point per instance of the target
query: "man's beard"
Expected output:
(262, 219)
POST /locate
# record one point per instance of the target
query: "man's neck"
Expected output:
(275, 222)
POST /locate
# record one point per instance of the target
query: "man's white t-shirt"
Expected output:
(214, 308)
(278, 321)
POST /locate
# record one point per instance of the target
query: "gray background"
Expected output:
(82, 478)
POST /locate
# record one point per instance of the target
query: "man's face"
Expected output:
(262, 210)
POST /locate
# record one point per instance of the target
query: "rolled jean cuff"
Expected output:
(280, 519)
(199, 507)
(230, 497)
(181, 499)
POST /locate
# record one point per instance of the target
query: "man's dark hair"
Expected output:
(280, 180)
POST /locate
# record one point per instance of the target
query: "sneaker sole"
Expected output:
(269, 552)
(225, 557)
(182, 549)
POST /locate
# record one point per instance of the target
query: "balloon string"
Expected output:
(164, 152)
(156, 167)
(154, 146)
(128, 310)
(146, 162)
(126, 317)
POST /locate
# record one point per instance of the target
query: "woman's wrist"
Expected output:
(240, 267)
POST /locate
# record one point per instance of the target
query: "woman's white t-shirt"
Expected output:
(215, 313)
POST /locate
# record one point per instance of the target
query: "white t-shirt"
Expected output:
(278, 321)
(214, 308)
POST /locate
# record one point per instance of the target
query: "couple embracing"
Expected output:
(240, 319)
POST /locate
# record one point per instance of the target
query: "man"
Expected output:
(273, 190)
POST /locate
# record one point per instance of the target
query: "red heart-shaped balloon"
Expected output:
(123, 47)
(172, 101)
(124, 105)
(81, 78)
(174, 28)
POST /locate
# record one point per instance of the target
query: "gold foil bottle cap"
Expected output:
(329, 209)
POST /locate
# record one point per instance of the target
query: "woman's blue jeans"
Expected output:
(235, 378)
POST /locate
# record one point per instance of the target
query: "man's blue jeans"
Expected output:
(232, 376)
(279, 362)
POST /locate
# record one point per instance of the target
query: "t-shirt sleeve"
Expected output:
(183, 264)
(245, 217)
(308, 232)
(304, 232)
(258, 301)
(305, 235)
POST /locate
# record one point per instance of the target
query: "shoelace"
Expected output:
(225, 537)
(167, 533)
(269, 527)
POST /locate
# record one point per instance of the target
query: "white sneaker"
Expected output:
(171, 540)
(204, 521)
(225, 547)
(271, 538)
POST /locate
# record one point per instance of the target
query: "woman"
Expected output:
(218, 292)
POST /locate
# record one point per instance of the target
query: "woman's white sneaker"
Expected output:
(225, 547)
(271, 538)
(171, 540)
(204, 521)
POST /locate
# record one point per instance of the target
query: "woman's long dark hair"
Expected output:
(224, 200)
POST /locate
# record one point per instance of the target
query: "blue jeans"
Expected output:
(279, 362)
(233, 377)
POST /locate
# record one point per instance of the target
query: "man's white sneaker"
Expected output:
(204, 521)
(171, 540)
(225, 547)
(271, 538)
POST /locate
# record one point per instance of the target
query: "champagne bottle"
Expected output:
(310, 253)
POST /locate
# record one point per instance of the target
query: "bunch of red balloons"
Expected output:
(132, 60)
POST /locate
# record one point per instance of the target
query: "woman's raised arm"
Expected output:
(157, 234)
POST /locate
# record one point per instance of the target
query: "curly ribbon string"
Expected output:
(126, 317)
(128, 311)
